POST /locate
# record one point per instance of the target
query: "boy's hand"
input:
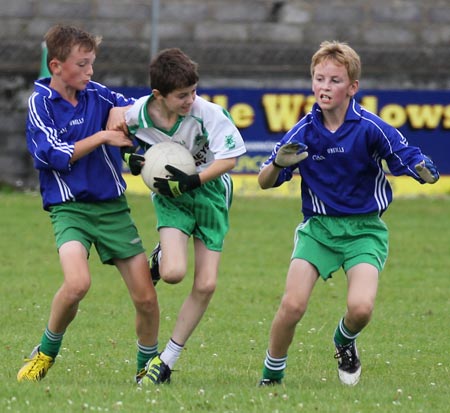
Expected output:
(134, 161)
(116, 119)
(290, 154)
(427, 170)
(178, 183)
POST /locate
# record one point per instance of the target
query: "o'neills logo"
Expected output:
(337, 149)
(76, 122)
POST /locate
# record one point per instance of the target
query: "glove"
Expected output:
(178, 183)
(427, 170)
(134, 161)
(290, 154)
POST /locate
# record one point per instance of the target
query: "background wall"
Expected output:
(248, 44)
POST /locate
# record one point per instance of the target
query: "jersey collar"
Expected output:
(42, 86)
(146, 122)
(353, 111)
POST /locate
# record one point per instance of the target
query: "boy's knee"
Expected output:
(147, 304)
(173, 274)
(360, 313)
(292, 308)
(206, 288)
(76, 292)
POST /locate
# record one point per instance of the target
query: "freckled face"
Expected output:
(76, 71)
(331, 85)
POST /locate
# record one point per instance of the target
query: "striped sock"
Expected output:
(343, 335)
(51, 343)
(274, 367)
(144, 354)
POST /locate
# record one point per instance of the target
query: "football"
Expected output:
(162, 154)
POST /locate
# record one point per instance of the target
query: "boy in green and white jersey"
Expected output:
(187, 205)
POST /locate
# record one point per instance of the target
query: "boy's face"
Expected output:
(180, 100)
(331, 85)
(76, 71)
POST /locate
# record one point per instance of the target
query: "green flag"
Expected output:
(44, 69)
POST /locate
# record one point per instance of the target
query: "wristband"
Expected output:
(277, 165)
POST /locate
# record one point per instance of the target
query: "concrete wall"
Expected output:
(254, 43)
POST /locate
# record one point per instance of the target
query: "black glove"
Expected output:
(134, 161)
(178, 183)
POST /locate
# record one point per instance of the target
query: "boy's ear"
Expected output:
(54, 66)
(353, 89)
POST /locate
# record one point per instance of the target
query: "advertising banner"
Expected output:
(264, 115)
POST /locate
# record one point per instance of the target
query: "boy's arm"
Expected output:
(181, 182)
(116, 119)
(403, 159)
(409, 160)
(288, 155)
(217, 168)
(116, 134)
(268, 176)
(110, 137)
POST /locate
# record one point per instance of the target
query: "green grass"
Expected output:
(404, 350)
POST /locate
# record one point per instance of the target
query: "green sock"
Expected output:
(51, 343)
(272, 374)
(144, 354)
(343, 335)
(274, 367)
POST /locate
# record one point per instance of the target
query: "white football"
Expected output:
(162, 154)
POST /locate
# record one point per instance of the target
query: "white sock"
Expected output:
(171, 353)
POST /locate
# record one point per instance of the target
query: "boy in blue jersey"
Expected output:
(338, 148)
(82, 188)
(186, 206)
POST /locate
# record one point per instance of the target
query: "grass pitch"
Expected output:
(404, 350)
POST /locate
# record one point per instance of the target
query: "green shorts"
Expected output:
(202, 212)
(108, 225)
(330, 243)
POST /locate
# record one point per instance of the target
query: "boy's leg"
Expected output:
(361, 295)
(77, 281)
(73, 257)
(174, 254)
(195, 305)
(202, 214)
(301, 278)
(136, 275)
(118, 242)
(362, 290)
(191, 312)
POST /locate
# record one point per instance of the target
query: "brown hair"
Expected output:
(61, 38)
(172, 69)
(340, 52)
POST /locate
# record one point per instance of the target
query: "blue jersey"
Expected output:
(54, 125)
(343, 174)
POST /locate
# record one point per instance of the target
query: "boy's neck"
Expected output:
(67, 93)
(161, 116)
(333, 119)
